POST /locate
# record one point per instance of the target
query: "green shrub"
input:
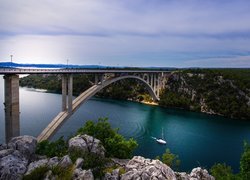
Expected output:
(221, 171)
(115, 144)
(245, 162)
(51, 149)
(38, 173)
(170, 159)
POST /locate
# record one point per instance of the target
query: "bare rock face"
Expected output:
(201, 174)
(53, 161)
(25, 144)
(13, 166)
(80, 174)
(79, 162)
(87, 143)
(65, 161)
(32, 166)
(182, 176)
(6, 152)
(114, 175)
(141, 168)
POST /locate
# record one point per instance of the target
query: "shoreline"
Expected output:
(141, 102)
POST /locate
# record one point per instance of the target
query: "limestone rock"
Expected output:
(87, 143)
(6, 152)
(201, 174)
(49, 175)
(114, 175)
(80, 174)
(141, 168)
(3, 146)
(182, 176)
(25, 144)
(65, 161)
(120, 162)
(32, 166)
(53, 161)
(13, 166)
(79, 163)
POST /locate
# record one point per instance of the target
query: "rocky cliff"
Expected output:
(217, 92)
(18, 160)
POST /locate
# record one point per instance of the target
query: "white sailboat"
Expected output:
(161, 140)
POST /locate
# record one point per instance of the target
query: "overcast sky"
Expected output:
(176, 33)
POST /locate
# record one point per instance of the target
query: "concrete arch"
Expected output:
(55, 124)
(96, 88)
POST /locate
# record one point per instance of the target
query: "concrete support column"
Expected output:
(12, 112)
(151, 79)
(64, 92)
(96, 79)
(155, 83)
(158, 85)
(147, 75)
(70, 92)
(102, 78)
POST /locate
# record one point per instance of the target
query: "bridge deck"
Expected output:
(75, 71)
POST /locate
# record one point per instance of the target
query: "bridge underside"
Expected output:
(153, 82)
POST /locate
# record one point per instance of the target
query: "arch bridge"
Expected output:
(153, 80)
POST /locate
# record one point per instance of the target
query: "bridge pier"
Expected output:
(70, 92)
(96, 79)
(64, 92)
(12, 112)
(151, 79)
(67, 92)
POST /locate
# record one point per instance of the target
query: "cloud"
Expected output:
(167, 32)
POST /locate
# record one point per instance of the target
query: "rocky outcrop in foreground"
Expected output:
(18, 158)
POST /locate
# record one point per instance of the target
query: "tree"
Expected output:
(222, 171)
(115, 144)
(245, 162)
(170, 159)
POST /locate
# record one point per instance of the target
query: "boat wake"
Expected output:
(153, 137)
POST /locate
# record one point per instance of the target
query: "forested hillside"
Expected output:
(216, 91)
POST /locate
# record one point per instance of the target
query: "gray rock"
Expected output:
(86, 143)
(141, 168)
(6, 152)
(32, 166)
(201, 174)
(120, 162)
(25, 144)
(53, 161)
(182, 176)
(80, 174)
(65, 161)
(79, 163)
(114, 175)
(48, 175)
(3, 146)
(13, 166)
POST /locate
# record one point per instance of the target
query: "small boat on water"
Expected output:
(161, 140)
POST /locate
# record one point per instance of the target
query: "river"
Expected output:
(198, 139)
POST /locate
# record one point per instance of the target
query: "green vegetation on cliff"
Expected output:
(217, 91)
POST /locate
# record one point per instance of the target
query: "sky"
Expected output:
(159, 33)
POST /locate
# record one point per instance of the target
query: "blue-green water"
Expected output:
(198, 139)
